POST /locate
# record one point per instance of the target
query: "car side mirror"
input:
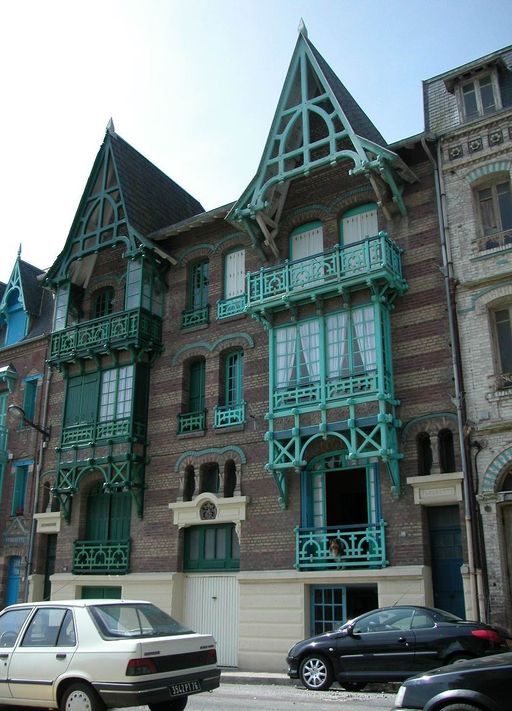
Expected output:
(350, 630)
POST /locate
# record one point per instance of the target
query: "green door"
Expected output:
(446, 558)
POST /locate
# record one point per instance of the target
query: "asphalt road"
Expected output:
(269, 697)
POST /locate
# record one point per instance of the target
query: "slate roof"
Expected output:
(152, 199)
(357, 118)
(31, 287)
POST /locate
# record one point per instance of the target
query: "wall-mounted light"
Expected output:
(18, 414)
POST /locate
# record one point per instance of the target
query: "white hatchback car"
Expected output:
(89, 655)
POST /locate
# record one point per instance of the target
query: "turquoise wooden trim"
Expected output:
(13, 284)
(96, 557)
(212, 452)
(8, 375)
(210, 347)
(504, 166)
(495, 470)
(230, 307)
(362, 547)
(195, 317)
(229, 415)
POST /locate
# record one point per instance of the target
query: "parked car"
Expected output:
(88, 655)
(389, 644)
(483, 684)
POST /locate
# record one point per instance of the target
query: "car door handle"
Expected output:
(402, 640)
(61, 656)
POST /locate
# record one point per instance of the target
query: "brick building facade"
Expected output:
(251, 408)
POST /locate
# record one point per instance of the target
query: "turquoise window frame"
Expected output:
(234, 378)
(358, 210)
(321, 599)
(196, 392)
(103, 302)
(30, 396)
(211, 547)
(198, 285)
(117, 387)
(60, 314)
(306, 227)
(293, 358)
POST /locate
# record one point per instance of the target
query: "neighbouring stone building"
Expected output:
(252, 408)
(469, 109)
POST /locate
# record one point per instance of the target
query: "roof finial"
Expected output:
(19, 251)
(303, 29)
(110, 126)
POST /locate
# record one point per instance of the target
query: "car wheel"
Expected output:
(81, 697)
(352, 685)
(315, 673)
(461, 707)
(175, 705)
(459, 658)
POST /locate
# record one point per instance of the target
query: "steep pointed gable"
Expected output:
(126, 198)
(24, 307)
(317, 123)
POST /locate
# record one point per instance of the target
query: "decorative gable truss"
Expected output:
(14, 316)
(317, 124)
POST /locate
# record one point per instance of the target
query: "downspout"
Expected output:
(459, 401)
(39, 466)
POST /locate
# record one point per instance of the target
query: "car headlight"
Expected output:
(400, 695)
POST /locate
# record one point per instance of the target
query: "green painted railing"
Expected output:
(341, 547)
(90, 433)
(195, 317)
(377, 257)
(230, 307)
(335, 388)
(227, 415)
(101, 557)
(192, 422)
(138, 328)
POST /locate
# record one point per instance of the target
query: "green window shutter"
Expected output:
(98, 507)
(29, 399)
(20, 485)
(73, 397)
(196, 388)
(120, 513)
(89, 404)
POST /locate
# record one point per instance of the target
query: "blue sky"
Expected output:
(193, 84)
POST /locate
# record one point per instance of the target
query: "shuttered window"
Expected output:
(359, 223)
(235, 274)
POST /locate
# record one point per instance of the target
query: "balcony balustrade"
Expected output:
(375, 257)
(91, 433)
(195, 317)
(191, 422)
(230, 307)
(228, 415)
(137, 328)
(341, 547)
(97, 557)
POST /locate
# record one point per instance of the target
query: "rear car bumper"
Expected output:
(141, 693)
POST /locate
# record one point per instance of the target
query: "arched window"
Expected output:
(229, 478)
(507, 482)
(189, 483)
(209, 478)
(359, 223)
(424, 453)
(446, 451)
(493, 202)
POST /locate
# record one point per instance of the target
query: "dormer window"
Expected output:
(479, 96)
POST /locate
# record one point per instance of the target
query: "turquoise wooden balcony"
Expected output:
(230, 307)
(228, 415)
(376, 258)
(137, 329)
(360, 546)
(192, 422)
(98, 557)
(90, 433)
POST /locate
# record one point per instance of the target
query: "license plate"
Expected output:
(186, 687)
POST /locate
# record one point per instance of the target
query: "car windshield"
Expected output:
(395, 614)
(135, 620)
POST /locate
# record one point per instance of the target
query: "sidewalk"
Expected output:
(233, 676)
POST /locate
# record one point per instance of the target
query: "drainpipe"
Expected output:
(459, 401)
(39, 466)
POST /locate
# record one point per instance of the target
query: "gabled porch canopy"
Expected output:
(317, 124)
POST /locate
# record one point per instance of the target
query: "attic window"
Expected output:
(479, 95)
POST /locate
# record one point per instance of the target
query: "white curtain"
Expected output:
(285, 353)
(364, 325)
(336, 343)
(310, 344)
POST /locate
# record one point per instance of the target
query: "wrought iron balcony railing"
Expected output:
(230, 307)
(227, 415)
(341, 547)
(497, 239)
(195, 317)
(192, 422)
(136, 328)
(90, 433)
(101, 557)
(375, 257)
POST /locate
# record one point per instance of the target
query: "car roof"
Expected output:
(77, 603)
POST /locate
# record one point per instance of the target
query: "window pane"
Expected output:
(487, 95)
(504, 333)
(470, 103)
(487, 213)
(505, 205)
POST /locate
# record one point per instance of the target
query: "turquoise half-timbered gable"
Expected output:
(109, 283)
(23, 304)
